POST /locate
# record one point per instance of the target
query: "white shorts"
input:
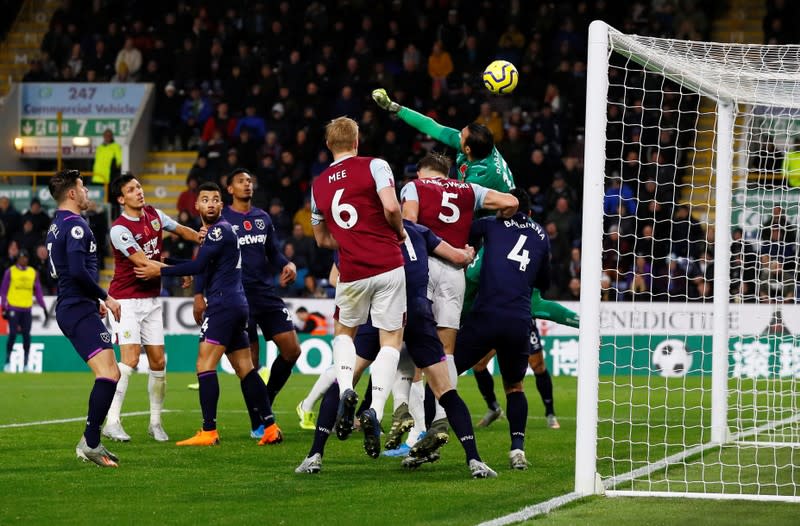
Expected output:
(383, 297)
(446, 285)
(140, 322)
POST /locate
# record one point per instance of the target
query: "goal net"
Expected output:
(690, 359)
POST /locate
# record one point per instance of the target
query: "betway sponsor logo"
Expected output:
(252, 239)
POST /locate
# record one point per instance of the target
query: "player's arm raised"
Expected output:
(449, 136)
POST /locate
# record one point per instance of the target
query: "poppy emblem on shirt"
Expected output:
(156, 224)
(462, 170)
(260, 224)
(247, 225)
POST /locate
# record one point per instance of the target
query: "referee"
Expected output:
(20, 283)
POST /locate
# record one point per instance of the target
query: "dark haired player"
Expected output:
(136, 236)
(427, 353)
(224, 326)
(260, 255)
(478, 161)
(516, 259)
(72, 252)
(447, 207)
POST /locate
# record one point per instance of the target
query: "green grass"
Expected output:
(241, 483)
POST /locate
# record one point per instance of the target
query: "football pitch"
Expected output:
(238, 482)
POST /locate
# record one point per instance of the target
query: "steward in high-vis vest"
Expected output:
(20, 284)
(313, 322)
(107, 159)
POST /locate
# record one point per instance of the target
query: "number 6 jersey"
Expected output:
(345, 196)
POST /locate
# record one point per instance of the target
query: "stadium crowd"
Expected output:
(251, 84)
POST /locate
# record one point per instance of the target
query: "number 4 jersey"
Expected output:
(446, 206)
(345, 196)
(516, 259)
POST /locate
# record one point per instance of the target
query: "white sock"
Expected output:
(157, 389)
(320, 387)
(402, 380)
(344, 362)
(451, 370)
(382, 371)
(416, 406)
(119, 397)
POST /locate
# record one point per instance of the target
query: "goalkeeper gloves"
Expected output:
(382, 99)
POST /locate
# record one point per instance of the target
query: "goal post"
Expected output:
(689, 367)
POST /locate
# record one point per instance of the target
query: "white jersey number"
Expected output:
(447, 203)
(412, 254)
(519, 255)
(53, 273)
(338, 208)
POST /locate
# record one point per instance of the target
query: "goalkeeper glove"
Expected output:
(382, 99)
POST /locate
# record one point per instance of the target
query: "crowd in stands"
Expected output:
(251, 84)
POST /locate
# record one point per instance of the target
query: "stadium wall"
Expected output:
(653, 339)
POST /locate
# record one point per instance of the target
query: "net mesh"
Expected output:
(655, 403)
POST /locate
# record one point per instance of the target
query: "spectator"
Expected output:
(563, 218)
(618, 192)
(491, 120)
(221, 121)
(452, 34)
(573, 292)
(187, 199)
(131, 57)
(41, 263)
(166, 117)
(10, 217)
(39, 218)
(194, 113)
(304, 246)
(701, 277)
(27, 239)
(281, 220)
(100, 61)
(303, 218)
(75, 61)
(201, 171)
(253, 123)
(642, 279)
(440, 64)
(107, 160)
(560, 189)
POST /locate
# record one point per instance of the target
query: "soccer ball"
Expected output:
(500, 77)
(672, 359)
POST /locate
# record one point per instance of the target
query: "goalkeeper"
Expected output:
(479, 162)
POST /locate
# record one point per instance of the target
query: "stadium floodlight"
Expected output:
(709, 408)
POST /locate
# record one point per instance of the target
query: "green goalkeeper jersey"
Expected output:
(490, 172)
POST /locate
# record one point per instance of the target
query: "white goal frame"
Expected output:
(587, 479)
